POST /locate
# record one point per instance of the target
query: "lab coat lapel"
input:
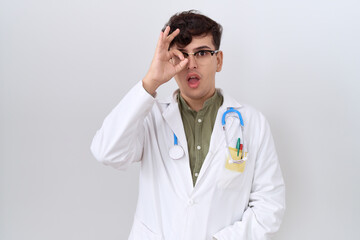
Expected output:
(172, 117)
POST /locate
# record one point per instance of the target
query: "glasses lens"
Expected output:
(202, 57)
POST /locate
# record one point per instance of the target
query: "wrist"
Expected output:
(150, 86)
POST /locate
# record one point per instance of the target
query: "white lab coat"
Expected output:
(224, 204)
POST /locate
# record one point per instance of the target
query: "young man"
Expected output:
(198, 179)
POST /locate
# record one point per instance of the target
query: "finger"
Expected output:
(177, 53)
(173, 35)
(166, 32)
(181, 65)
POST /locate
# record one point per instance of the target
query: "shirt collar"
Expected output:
(213, 99)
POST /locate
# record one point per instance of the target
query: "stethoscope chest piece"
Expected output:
(176, 152)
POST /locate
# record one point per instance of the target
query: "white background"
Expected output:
(65, 64)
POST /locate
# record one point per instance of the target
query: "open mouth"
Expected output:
(193, 80)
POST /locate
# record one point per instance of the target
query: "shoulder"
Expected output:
(252, 112)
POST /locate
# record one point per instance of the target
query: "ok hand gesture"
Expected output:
(161, 69)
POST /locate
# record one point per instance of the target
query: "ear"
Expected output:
(219, 58)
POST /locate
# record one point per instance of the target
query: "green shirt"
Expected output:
(198, 128)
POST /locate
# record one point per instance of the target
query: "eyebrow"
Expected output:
(195, 49)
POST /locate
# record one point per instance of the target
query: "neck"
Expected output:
(197, 104)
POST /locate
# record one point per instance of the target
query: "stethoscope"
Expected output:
(177, 152)
(241, 141)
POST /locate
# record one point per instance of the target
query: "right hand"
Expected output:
(161, 69)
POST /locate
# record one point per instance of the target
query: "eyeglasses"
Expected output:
(202, 57)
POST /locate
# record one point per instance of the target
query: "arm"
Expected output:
(266, 206)
(120, 140)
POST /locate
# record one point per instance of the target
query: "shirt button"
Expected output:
(198, 147)
(191, 202)
(199, 120)
(196, 174)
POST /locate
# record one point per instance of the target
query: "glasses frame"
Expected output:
(195, 54)
(212, 52)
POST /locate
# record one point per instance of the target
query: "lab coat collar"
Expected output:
(228, 100)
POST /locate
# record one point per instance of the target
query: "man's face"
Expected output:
(197, 80)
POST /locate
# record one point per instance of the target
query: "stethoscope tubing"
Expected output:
(230, 110)
(175, 139)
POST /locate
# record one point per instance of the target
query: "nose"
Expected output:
(192, 62)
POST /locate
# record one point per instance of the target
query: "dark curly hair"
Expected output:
(193, 23)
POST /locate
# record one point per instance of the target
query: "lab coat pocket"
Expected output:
(142, 232)
(233, 171)
(231, 179)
